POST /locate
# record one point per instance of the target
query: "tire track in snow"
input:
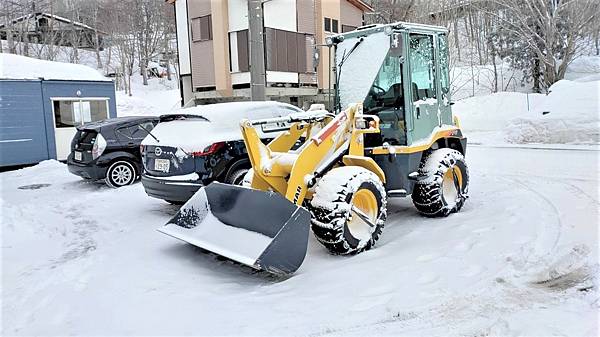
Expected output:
(497, 299)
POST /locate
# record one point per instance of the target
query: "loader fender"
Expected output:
(365, 162)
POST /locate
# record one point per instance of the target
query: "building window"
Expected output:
(239, 59)
(327, 24)
(202, 28)
(70, 113)
(334, 25)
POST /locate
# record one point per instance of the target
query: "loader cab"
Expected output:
(409, 91)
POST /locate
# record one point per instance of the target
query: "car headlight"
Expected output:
(99, 146)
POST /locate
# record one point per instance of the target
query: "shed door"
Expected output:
(72, 112)
(22, 127)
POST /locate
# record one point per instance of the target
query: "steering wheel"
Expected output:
(380, 91)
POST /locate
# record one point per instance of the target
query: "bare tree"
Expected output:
(552, 30)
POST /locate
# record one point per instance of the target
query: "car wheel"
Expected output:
(236, 177)
(120, 173)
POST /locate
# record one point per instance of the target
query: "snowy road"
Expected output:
(79, 258)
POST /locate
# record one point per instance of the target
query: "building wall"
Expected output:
(350, 15)
(52, 89)
(229, 47)
(183, 42)
(280, 14)
(330, 9)
(238, 15)
(27, 119)
(346, 14)
(22, 124)
(305, 13)
(220, 28)
(201, 52)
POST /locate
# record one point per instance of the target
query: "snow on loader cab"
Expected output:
(392, 134)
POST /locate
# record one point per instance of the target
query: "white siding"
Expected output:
(238, 15)
(280, 14)
(282, 77)
(240, 78)
(183, 43)
(233, 52)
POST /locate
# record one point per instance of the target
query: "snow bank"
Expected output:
(569, 114)
(27, 68)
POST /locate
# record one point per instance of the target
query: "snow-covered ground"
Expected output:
(519, 259)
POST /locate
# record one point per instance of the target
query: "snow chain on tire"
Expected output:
(331, 209)
(428, 194)
(247, 180)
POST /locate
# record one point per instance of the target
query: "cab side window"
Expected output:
(422, 67)
(444, 64)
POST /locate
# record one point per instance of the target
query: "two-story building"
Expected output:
(213, 48)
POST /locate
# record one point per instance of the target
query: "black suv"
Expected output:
(200, 145)
(110, 149)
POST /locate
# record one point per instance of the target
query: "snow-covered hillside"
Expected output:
(158, 97)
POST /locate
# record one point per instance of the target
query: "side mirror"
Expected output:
(396, 44)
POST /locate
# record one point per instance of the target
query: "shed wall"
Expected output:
(52, 89)
(22, 125)
(26, 117)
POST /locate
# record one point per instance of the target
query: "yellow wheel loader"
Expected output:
(391, 134)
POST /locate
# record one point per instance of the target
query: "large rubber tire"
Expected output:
(333, 222)
(236, 177)
(444, 184)
(120, 173)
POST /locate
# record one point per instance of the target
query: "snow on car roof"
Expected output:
(224, 124)
(234, 112)
(17, 67)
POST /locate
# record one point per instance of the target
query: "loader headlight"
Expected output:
(388, 30)
(329, 41)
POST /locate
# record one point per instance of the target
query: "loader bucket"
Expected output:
(260, 229)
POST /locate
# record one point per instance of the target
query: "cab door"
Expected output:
(422, 86)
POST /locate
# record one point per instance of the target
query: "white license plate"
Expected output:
(77, 155)
(161, 165)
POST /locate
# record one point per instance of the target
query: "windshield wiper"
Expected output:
(148, 132)
(339, 72)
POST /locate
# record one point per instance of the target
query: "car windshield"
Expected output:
(182, 117)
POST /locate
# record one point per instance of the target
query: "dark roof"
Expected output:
(57, 18)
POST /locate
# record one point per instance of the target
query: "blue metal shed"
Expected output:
(38, 116)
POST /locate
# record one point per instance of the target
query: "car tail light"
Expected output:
(209, 149)
(99, 146)
(141, 149)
